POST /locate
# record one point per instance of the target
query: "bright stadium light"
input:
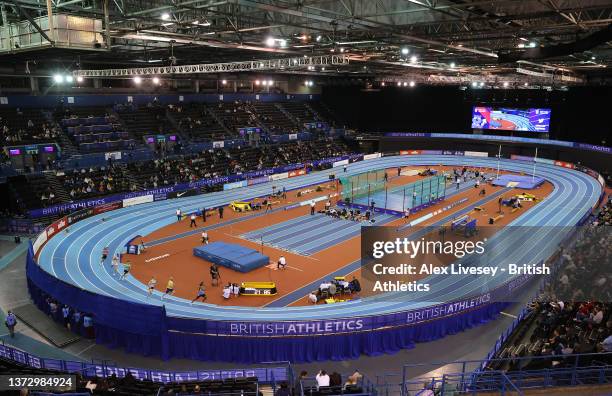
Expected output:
(399, 83)
(223, 82)
(270, 41)
(532, 44)
(481, 84)
(412, 83)
(80, 79)
(506, 83)
(270, 82)
(382, 84)
(405, 51)
(405, 84)
(58, 78)
(283, 43)
(319, 38)
(413, 59)
(256, 82)
(69, 79)
(155, 80)
(452, 65)
(137, 80)
(165, 16)
(474, 84)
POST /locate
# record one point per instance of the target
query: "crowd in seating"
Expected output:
(129, 385)
(235, 115)
(19, 126)
(95, 181)
(324, 383)
(604, 216)
(573, 313)
(196, 122)
(274, 119)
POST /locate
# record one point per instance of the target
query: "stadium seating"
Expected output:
(301, 112)
(274, 119)
(18, 126)
(94, 129)
(234, 115)
(146, 120)
(197, 123)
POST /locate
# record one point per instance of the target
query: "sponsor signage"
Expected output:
(340, 163)
(234, 185)
(410, 152)
(564, 164)
(298, 172)
(476, 154)
(137, 200)
(279, 176)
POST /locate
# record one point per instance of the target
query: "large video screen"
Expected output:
(507, 119)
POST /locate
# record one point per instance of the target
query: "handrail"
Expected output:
(105, 370)
(516, 389)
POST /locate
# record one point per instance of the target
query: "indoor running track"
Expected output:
(74, 256)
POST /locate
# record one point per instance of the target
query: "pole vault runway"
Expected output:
(73, 256)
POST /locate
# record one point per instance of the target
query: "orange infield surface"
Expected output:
(188, 271)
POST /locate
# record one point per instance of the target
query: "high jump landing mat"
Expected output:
(518, 181)
(236, 257)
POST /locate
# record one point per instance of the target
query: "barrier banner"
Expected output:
(299, 172)
(115, 155)
(137, 200)
(107, 207)
(601, 149)
(410, 152)
(340, 163)
(80, 215)
(258, 180)
(371, 156)
(431, 152)
(40, 241)
(564, 164)
(476, 154)
(451, 152)
(234, 185)
(219, 144)
(407, 134)
(293, 136)
(521, 158)
(279, 176)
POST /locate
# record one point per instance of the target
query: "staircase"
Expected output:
(175, 125)
(287, 114)
(129, 175)
(57, 187)
(219, 121)
(309, 107)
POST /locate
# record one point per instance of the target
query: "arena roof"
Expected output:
(442, 41)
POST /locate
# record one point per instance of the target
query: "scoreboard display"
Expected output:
(509, 119)
(258, 289)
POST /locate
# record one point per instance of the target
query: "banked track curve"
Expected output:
(74, 256)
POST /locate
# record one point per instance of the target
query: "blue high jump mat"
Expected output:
(518, 181)
(229, 255)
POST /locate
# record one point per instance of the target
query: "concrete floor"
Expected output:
(473, 344)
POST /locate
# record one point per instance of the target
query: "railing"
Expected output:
(267, 373)
(467, 375)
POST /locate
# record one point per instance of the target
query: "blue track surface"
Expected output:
(74, 256)
(308, 234)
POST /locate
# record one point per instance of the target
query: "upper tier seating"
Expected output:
(300, 112)
(196, 122)
(23, 126)
(147, 120)
(93, 129)
(274, 119)
(235, 115)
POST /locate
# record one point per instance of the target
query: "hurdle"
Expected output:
(465, 224)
